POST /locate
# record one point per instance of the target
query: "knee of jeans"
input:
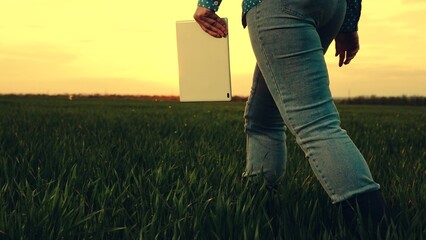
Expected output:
(266, 135)
(261, 123)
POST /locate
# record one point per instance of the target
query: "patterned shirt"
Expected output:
(350, 24)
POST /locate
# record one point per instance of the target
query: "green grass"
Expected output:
(96, 168)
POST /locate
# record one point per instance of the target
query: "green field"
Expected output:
(101, 168)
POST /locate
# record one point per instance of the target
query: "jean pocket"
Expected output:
(301, 8)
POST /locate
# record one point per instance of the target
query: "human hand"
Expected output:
(210, 22)
(347, 46)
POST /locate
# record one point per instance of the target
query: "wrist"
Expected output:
(210, 4)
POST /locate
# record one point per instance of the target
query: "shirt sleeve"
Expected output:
(210, 4)
(353, 13)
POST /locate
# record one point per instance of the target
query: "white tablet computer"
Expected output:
(204, 69)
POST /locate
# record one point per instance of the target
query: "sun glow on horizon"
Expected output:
(129, 47)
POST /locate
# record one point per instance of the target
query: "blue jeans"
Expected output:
(291, 91)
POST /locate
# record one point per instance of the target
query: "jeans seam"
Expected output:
(329, 188)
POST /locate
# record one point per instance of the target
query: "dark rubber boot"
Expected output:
(364, 214)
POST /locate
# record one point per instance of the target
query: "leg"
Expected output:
(289, 53)
(367, 207)
(265, 130)
(289, 39)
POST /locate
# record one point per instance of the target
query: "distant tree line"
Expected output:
(375, 100)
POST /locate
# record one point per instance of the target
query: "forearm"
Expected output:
(353, 14)
(210, 4)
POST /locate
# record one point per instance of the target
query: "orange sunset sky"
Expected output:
(129, 47)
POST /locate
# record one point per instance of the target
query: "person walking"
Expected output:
(290, 91)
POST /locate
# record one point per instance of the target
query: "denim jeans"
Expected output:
(291, 91)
